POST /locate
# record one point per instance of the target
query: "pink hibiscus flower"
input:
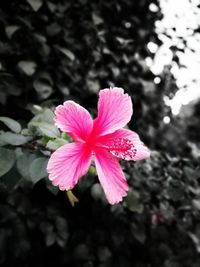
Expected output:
(102, 138)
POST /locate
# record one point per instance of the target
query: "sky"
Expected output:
(177, 28)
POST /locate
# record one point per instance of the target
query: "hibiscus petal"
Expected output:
(67, 164)
(114, 111)
(138, 152)
(74, 119)
(111, 176)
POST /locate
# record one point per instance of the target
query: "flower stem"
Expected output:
(72, 198)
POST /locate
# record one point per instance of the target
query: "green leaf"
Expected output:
(55, 144)
(2, 143)
(23, 164)
(53, 189)
(35, 4)
(25, 132)
(11, 124)
(7, 160)
(46, 129)
(65, 136)
(43, 89)
(28, 67)
(96, 19)
(45, 115)
(97, 192)
(10, 30)
(13, 139)
(11, 178)
(66, 52)
(133, 203)
(18, 152)
(43, 124)
(38, 169)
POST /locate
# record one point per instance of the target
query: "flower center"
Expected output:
(91, 141)
(122, 148)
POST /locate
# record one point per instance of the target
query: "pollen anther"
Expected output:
(123, 148)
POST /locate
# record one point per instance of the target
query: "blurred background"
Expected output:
(52, 51)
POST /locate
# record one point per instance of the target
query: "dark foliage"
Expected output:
(156, 225)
